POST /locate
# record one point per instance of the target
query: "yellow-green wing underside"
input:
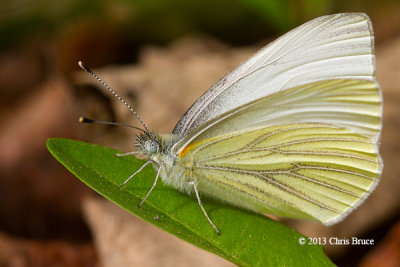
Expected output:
(306, 152)
(300, 170)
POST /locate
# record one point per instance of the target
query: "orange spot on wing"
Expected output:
(185, 150)
(190, 146)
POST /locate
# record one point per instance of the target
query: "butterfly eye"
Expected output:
(151, 146)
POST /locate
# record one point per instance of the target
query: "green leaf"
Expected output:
(246, 239)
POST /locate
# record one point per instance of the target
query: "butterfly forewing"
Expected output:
(351, 104)
(299, 170)
(330, 47)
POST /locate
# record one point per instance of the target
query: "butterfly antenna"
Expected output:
(87, 120)
(86, 68)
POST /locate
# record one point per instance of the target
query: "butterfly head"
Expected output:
(148, 144)
(151, 146)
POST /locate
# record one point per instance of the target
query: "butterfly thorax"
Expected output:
(157, 147)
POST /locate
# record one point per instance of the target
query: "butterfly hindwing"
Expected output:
(299, 170)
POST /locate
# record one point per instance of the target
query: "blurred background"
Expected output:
(160, 56)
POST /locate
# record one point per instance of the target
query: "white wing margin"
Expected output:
(339, 46)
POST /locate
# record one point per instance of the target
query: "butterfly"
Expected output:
(293, 131)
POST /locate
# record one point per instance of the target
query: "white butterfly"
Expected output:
(293, 131)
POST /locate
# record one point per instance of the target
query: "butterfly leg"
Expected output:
(133, 175)
(202, 208)
(126, 154)
(154, 185)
